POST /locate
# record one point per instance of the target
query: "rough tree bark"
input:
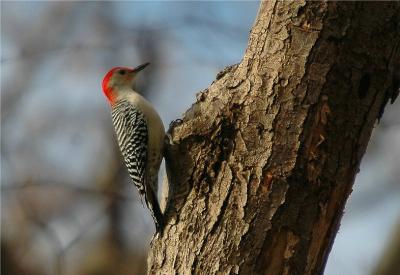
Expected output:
(263, 163)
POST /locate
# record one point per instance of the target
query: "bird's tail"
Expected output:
(154, 207)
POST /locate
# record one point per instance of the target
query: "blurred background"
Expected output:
(66, 202)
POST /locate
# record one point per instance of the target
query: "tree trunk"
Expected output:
(263, 163)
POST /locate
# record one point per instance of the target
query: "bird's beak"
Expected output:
(140, 67)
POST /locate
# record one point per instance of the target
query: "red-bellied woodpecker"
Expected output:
(140, 134)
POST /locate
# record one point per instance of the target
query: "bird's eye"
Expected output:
(122, 72)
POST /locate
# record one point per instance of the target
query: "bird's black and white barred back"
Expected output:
(132, 135)
(131, 129)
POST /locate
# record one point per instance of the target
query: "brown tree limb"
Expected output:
(263, 163)
(389, 262)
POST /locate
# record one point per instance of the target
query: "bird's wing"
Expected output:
(132, 134)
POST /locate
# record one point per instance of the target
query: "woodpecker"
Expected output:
(140, 134)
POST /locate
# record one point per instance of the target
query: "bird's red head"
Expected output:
(119, 78)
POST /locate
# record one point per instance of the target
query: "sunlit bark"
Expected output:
(263, 163)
